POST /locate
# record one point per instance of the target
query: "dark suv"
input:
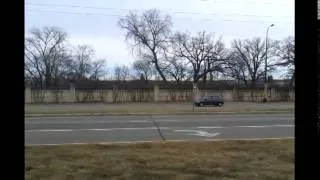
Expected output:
(209, 100)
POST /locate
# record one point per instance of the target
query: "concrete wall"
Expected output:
(93, 96)
(156, 95)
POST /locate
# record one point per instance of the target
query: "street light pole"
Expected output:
(265, 67)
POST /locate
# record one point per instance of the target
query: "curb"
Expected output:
(155, 114)
(167, 141)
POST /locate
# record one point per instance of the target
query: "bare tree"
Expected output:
(177, 69)
(249, 59)
(202, 52)
(143, 69)
(286, 54)
(45, 55)
(82, 62)
(148, 34)
(121, 73)
(97, 69)
(235, 68)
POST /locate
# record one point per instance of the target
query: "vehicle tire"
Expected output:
(220, 104)
(201, 104)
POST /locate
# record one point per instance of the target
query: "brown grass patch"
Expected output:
(241, 160)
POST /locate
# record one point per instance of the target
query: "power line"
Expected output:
(75, 6)
(117, 15)
(125, 9)
(235, 2)
(250, 2)
(76, 13)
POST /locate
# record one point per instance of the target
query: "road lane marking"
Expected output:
(172, 120)
(115, 121)
(199, 133)
(51, 130)
(92, 129)
(262, 126)
(157, 141)
(139, 121)
(152, 128)
(106, 129)
(288, 125)
(212, 127)
(143, 128)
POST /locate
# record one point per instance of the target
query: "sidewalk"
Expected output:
(96, 109)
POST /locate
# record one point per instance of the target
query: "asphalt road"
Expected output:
(108, 129)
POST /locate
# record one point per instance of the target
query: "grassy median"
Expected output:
(265, 159)
(129, 108)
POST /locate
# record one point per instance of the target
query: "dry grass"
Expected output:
(152, 108)
(240, 160)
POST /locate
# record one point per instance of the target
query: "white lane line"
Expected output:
(255, 139)
(288, 125)
(50, 130)
(262, 126)
(212, 127)
(157, 141)
(139, 121)
(171, 120)
(117, 122)
(152, 128)
(198, 133)
(159, 120)
(92, 129)
(107, 129)
(266, 126)
(144, 128)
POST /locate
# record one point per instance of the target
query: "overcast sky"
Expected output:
(94, 22)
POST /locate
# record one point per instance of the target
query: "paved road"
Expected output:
(159, 107)
(97, 129)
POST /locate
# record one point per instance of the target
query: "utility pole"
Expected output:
(265, 68)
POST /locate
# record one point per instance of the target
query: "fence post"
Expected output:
(292, 94)
(156, 93)
(235, 94)
(115, 93)
(72, 90)
(27, 95)
(273, 94)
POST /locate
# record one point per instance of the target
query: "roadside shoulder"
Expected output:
(151, 114)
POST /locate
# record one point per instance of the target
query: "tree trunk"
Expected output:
(48, 82)
(157, 67)
(292, 79)
(211, 77)
(195, 94)
(204, 79)
(160, 72)
(253, 85)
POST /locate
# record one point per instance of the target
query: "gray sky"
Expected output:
(94, 22)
